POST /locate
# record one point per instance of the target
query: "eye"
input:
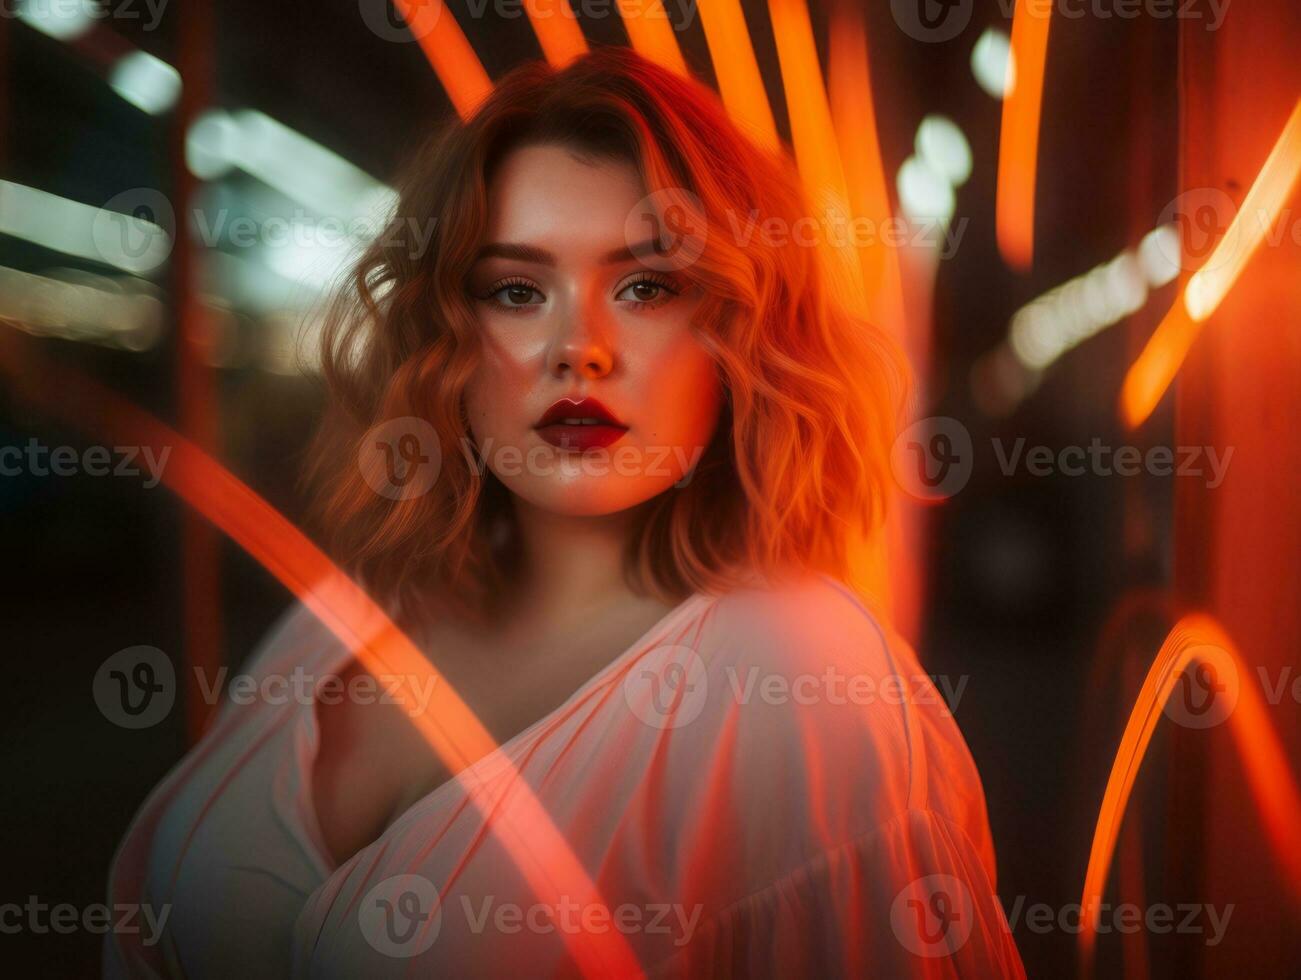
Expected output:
(513, 294)
(648, 289)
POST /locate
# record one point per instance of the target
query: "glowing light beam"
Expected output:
(1154, 369)
(853, 117)
(1018, 142)
(737, 71)
(1197, 640)
(651, 33)
(817, 152)
(447, 723)
(557, 31)
(453, 59)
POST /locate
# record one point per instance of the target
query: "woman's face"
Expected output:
(592, 395)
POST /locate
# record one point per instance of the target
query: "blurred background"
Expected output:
(181, 181)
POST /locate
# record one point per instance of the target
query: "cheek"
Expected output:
(683, 394)
(506, 372)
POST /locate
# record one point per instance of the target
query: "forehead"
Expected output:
(547, 193)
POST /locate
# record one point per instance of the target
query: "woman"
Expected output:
(617, 457)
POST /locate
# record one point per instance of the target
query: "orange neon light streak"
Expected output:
(816, 151)
(1197, 639)
(1018, 141)
(447, 723)
(651, 33)
(889, 562)
(737, 71)
(854, 121)
(1151, 374)
(556, 27)
(453, 59)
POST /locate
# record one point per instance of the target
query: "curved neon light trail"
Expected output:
(1197, 639)
(1151, 373)
(1018, 140)
(447, 723)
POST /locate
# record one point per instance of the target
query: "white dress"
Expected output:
(803, 805)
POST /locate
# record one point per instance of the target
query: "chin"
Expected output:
(587, 496)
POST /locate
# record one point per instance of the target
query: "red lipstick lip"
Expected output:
(581, 408)
(579, 425)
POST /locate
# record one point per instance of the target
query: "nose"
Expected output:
(582, 346)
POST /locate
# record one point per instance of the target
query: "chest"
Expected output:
(372, 763)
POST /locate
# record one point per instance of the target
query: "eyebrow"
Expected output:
(540, 256)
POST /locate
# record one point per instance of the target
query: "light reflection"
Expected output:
(75, 305)
(296, 166)
(66, 20)
(944, 148)
(127, 242)
(992, 63)
(151, 85)
(1066, 316)
(925, 193)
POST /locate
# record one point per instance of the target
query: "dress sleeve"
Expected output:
(909, 899)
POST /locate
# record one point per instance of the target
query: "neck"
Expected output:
(571, 565)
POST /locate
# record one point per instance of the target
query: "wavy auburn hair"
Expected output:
(798, 469)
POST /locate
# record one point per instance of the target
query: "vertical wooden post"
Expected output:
(200, 542)
(1238, 546)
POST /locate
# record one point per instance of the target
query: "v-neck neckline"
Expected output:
(480, 770)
